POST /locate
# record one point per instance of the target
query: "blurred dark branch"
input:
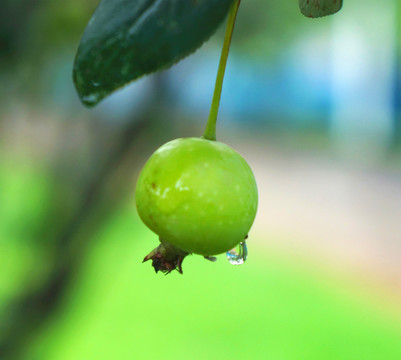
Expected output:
(31, 310)
(28, 312)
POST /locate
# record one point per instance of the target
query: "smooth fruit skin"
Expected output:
(197, 195)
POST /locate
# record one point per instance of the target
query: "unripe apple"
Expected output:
(199, 196)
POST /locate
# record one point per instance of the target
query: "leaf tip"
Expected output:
(88, 93)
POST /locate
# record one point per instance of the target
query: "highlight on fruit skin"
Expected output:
(199, 196)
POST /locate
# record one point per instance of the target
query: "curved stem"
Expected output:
(210, 130)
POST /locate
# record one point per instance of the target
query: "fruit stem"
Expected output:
(210, 130)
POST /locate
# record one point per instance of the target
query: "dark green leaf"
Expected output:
(318, 8)
(126, 39)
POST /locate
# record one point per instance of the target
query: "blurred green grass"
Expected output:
(273, 307)
(269, 308)
(24, 194)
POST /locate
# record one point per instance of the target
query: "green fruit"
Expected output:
(199, 196)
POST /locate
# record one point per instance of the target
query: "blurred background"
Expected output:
(313, 105)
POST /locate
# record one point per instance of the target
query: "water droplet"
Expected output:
(238, 255)
(90, 100)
